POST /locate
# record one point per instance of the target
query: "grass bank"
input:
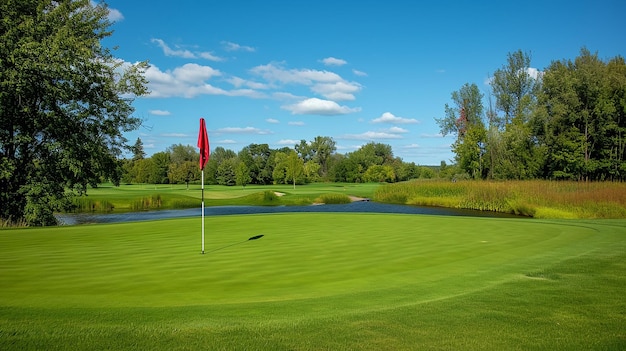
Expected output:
(108, 198)
(316, 282)
(539, 199)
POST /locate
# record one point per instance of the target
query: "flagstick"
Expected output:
(203, 211)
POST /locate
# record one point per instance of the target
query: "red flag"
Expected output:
(203, 144)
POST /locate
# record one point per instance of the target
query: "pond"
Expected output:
(354, 207)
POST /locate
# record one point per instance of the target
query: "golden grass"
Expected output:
(535, 198)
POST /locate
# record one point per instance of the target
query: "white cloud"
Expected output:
(296, 123)
(229, 46)
(372, 136)
(239, 82)
(396, 130)
(276, 73)
(430, 136)
(188, 81)
(315, 106)
(209, 56)
(534, 73)
(171, 52)
(159, 112)
(288, 142)
(272, 120)
(286, 96)
(411, 146)
(115, 15)
(328, 84)
(388, 117)
(359, 73)
(174, 135)
(246, 130)
(227, 141)
(337, 91)
(331, 61)
(184, 53)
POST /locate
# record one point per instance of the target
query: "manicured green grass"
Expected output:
(316, 281)
(149, 196)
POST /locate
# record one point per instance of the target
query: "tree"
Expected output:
(180, 153)
(242, 175)
(465, 120)
(256, 157)
(218, 156)
(64, 103)
(379, 173)
(515, 87)
(295, 167)
(322, 149)
(226, 172)
(137, 150)
(161, 163)
(582, 118)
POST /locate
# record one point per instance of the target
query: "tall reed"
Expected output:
(536, 198)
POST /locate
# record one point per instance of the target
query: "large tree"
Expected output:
(65, 102)
(515, 153)
(464, 119)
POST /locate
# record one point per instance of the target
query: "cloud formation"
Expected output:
(371, 136)
(388, 117)
(246, 130)
(229, 46)
(331, 61)
(159, 112)
(184, 53)
(315, 106)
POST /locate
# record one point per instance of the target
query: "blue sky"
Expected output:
(276, 72)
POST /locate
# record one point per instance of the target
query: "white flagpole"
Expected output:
(203, 211)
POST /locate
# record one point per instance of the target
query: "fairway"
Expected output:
(316, 281)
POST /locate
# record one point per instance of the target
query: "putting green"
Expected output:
(300, 256)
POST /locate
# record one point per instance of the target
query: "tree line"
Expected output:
(567, 122)
(307, 162)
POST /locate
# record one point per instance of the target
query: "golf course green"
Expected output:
(316, 281)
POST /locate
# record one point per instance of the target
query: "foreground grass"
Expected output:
(316, 282)
(108, 198)
(537, 198)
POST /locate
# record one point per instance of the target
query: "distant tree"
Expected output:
(161, 163)
(379, 173)
(465, 121)
(137, 149)
(226, 172)
(583, 118)
(242, 175)
(295, 168)
(184, 172)
(218, 155)
(65, 103)
(322, 148)
(515, 89)
(257, 159)
(180, 153)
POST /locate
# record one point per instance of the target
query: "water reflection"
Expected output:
(354, 207)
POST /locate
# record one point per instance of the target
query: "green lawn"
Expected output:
(132, 197)
(316, 281)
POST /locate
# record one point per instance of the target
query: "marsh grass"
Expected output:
(539, 199)
(333, 198)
